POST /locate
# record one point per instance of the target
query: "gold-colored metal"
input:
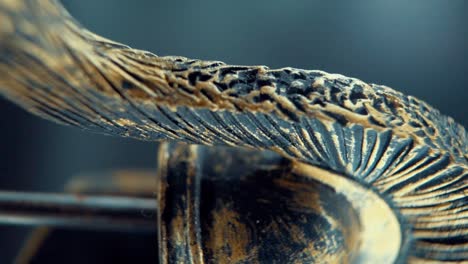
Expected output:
(390, 156)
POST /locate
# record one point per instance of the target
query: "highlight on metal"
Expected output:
(284, 165)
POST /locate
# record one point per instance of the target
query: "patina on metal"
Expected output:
(390, 162)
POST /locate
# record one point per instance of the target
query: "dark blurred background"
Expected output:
(417, 47)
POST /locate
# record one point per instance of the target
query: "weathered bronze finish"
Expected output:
(236, 206)
(362, 161)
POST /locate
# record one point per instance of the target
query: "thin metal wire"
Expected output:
(78, 211)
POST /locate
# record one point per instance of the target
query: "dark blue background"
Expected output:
(417, 47)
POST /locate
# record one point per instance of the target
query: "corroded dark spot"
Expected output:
(334, 90)
(231, 70)
(192, 78)
(361, 110)
(226, 71)
(249, 75)
(127, 85)
(262, 82)
(282, 83)
(263, 97)
(234, 82)
(318, 101)
(338, 98)
(378, 104)
(292, 90)
(420, 133)
(414, 124)
(213, 65)
(430, 130)
(356, 95)
(342, 82)
(205, 77)
(221, 86)
(195, 76)
(299, 76)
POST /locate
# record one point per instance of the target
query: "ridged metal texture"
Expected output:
(397, 145)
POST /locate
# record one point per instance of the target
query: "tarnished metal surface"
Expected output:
(223, 205)
(413, 157)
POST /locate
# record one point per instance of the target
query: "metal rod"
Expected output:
(78, 211)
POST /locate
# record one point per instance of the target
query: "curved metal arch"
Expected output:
(405, 150)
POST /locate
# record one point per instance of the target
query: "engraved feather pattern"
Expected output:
(413, 156)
